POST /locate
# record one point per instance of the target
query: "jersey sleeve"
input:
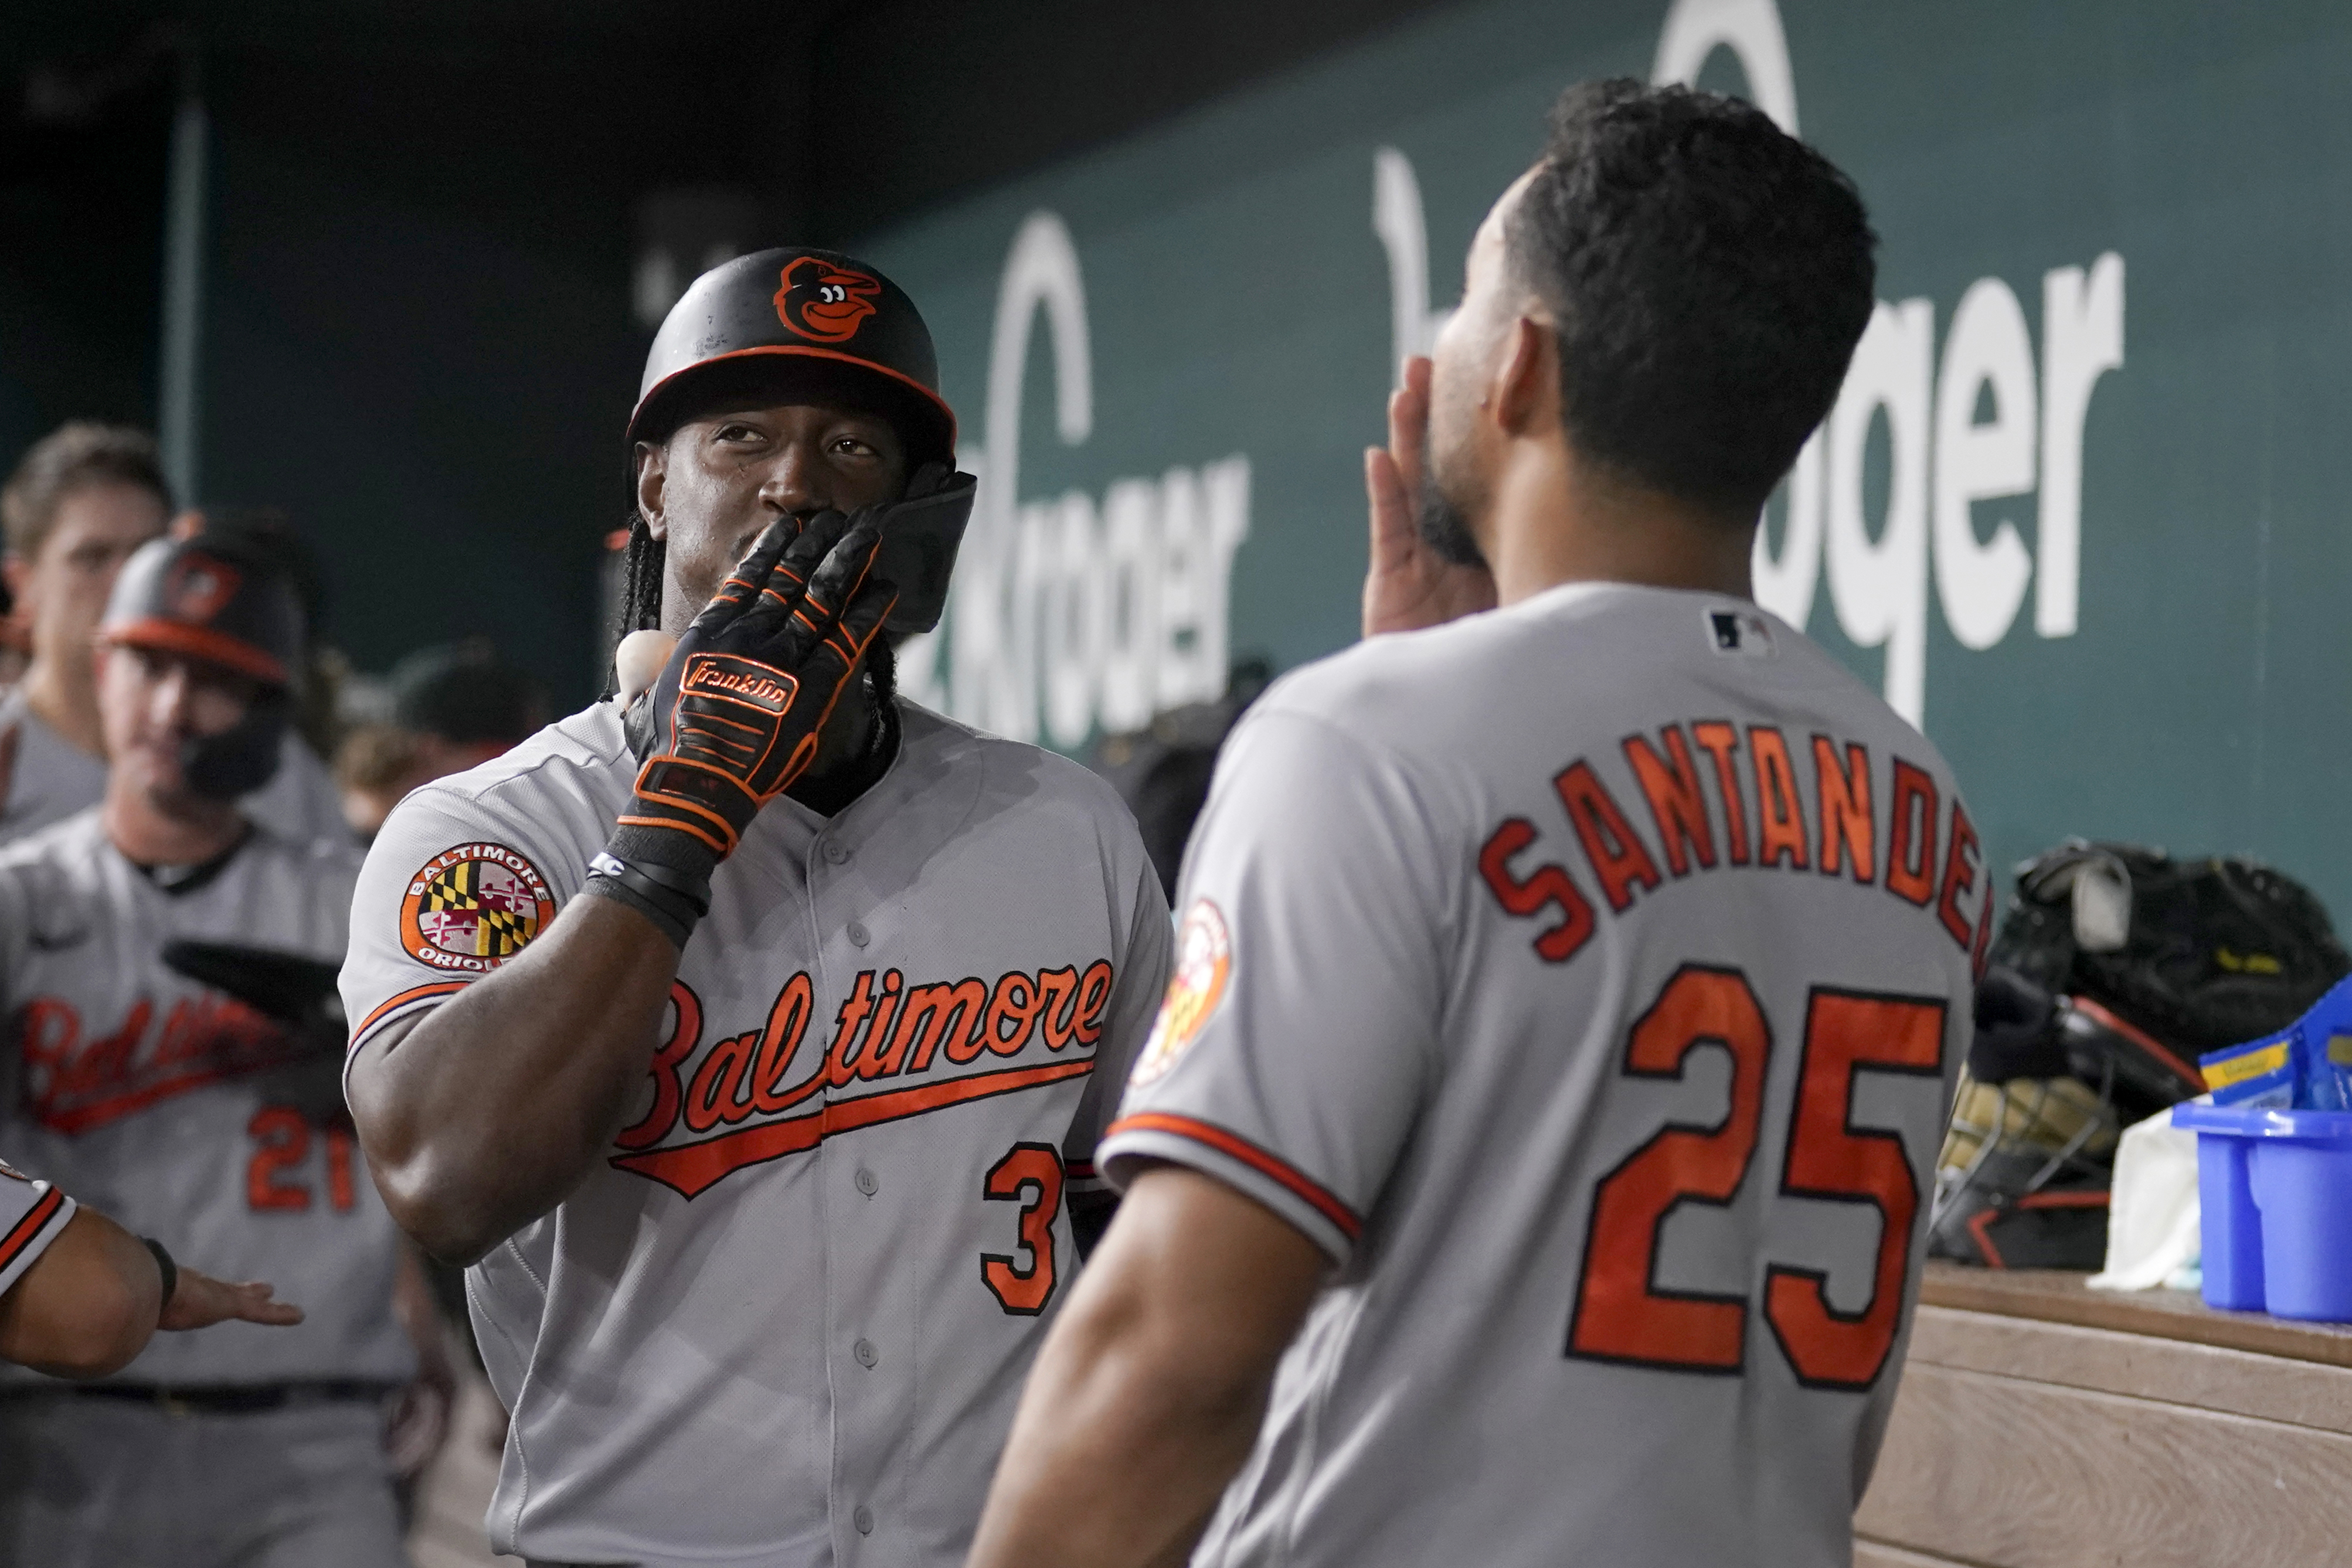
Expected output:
(1299, 1034)
(453, 887)
(32, 1215)
(1138, 977)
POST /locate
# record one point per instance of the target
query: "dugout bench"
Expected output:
(2041, 1425)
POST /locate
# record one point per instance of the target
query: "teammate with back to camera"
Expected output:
(1528, 1165)
(753, 1045)
(195, 1116)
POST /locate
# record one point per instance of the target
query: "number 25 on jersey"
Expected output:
(1622, 1316)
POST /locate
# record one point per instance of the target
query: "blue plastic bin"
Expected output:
(2275, 1194)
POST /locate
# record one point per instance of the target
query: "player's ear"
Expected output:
(13, 570)
(652, 459)
(1525, 384)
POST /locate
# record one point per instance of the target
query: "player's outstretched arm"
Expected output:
(488, 1111)
(89, 1303)
(1147, 1394)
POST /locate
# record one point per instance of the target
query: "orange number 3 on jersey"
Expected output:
(1622, 1316)
(1022, 1289)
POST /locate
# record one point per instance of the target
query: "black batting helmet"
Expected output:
(208, 599)
(848, 333)
(219, 599)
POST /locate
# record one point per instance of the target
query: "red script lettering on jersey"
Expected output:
(1839, 838)
(72, 1084)
(746, 1101)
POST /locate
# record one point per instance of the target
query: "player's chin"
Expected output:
(156, 774)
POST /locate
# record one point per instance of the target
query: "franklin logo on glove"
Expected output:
(763, 686)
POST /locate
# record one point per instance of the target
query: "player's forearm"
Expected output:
(88, 1305)
(1163, 1357)
(494, 1106)
(1108, 1384)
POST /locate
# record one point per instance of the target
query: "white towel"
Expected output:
(2152, 1209)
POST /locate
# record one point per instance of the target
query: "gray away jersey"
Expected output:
(787, 1318)
(54, 779)
(32, 1215)
(1587, 979)
(185, 1114)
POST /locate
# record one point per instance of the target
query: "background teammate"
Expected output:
(756, 1068)
(194, 1118)
(1567, 995)
(78, 502)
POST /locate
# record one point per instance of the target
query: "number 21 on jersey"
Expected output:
(1622, 1316)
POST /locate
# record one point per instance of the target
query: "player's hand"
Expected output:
(199, 1301)
(1408, 585)
(738, 709)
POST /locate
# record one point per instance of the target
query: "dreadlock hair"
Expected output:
(641, 577)
(641, 568)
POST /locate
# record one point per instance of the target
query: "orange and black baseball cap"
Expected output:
(826, 326)
(208, 597)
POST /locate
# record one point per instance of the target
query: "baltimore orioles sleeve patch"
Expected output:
(472, 907)
(1204, 960)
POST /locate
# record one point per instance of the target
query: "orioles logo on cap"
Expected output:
(197, 587)
(825, 303)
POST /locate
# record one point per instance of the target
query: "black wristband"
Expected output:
(169, 1269)
(670, 900)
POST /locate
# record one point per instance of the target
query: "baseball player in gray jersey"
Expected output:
(78, 502)
(1528, 1165)
(753, 1047)
(79, 1296)
(194, 1118)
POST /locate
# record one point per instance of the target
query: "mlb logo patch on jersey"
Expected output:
(1743, 633)
(472, 907)
(1204, 957)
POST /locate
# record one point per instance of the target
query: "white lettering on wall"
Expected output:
(1751, 30)
(1980, 584)
(1067, 615)
(1403, 232)
(1879, 589)
(2082, 339)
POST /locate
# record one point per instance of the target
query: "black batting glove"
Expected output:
(735, 715)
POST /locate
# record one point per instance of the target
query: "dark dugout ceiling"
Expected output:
(845, 113)
(423, 301)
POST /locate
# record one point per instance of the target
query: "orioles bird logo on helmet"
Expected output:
(825, 302)
(197, 587)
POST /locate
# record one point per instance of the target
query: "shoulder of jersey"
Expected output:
(66, 839)
(1467, 667)
(589, 741)
(954, 742)
(317, 854)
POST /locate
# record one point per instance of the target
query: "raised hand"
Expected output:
(736, 709)
(1408, 585)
